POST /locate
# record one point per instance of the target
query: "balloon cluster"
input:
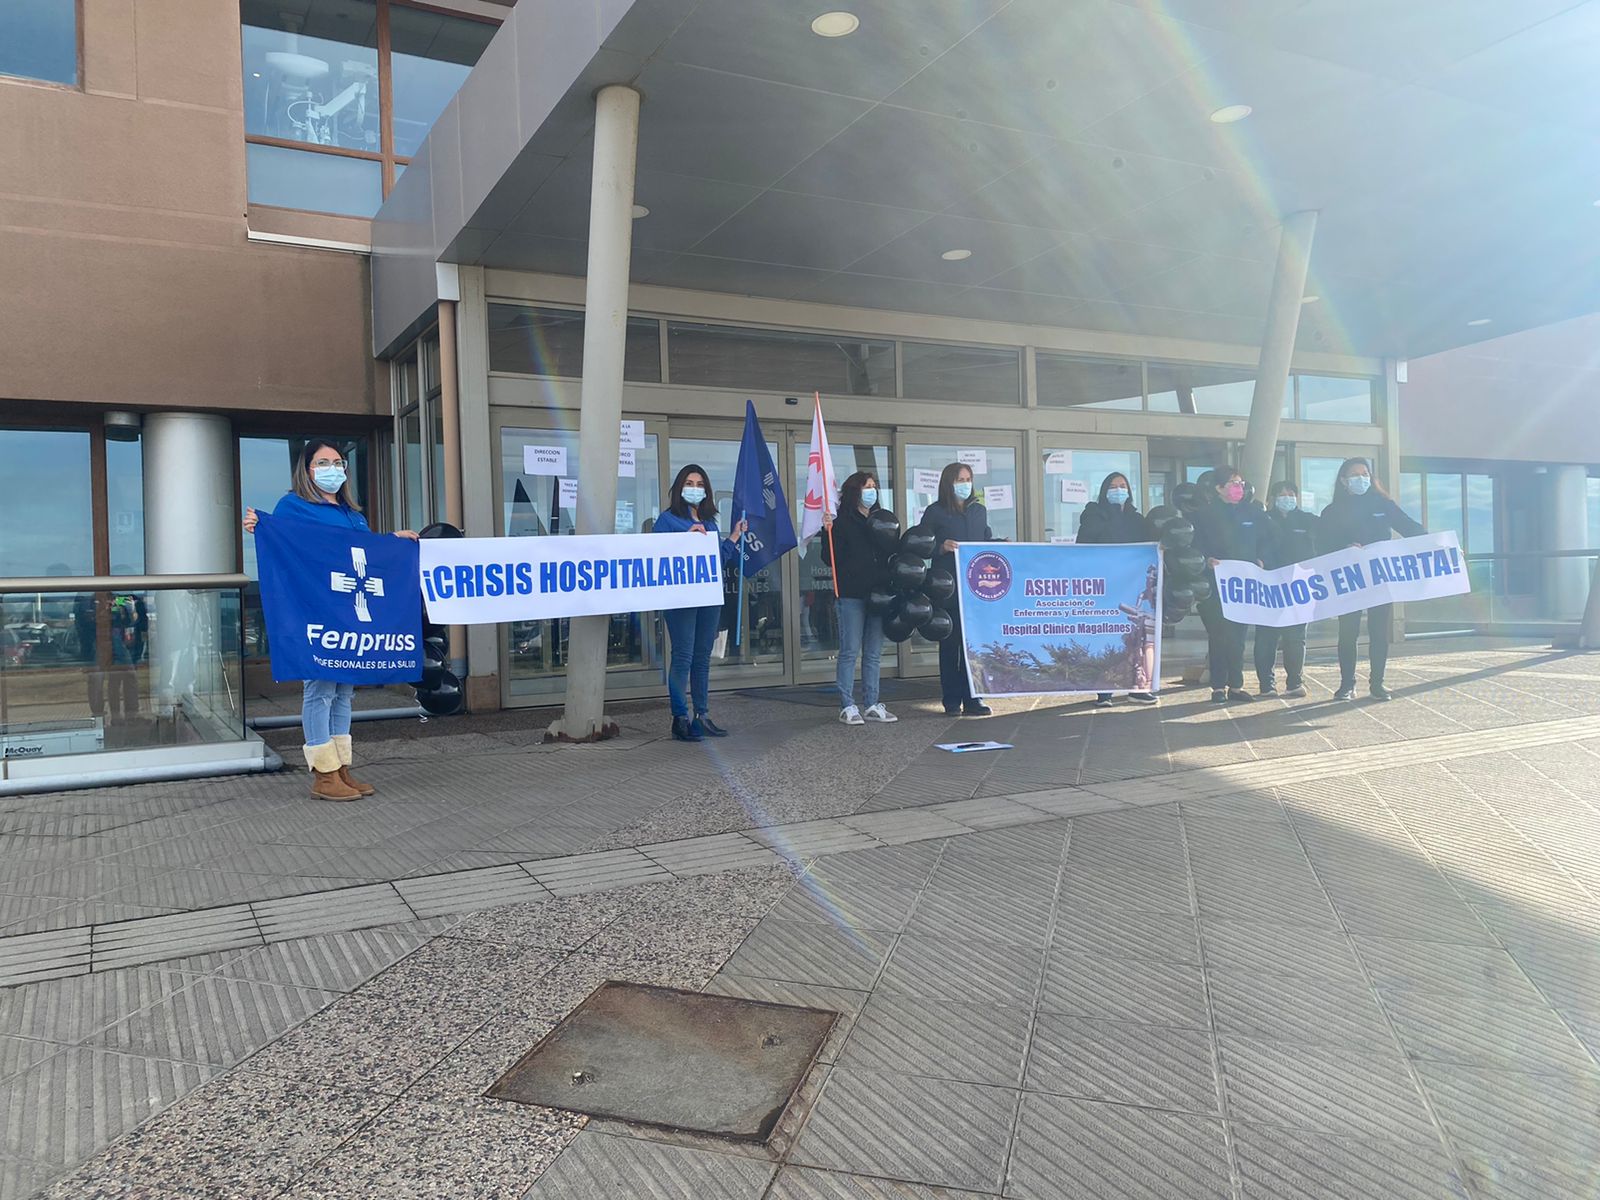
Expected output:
(1184, 566)
(438, 691)
(915, 592)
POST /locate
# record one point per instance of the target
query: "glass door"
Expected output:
(1072, 478)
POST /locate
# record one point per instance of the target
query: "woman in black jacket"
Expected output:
(1109, 520)
(954, 518)
(1229, 528)
(1362, 513)
(859, 569)
(1291, 538)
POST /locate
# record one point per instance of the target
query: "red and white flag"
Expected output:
(822, 489)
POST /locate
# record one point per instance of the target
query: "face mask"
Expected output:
(1233, 493)
(328, 479)
(694, 495)
(1358, 484)
(1286, 504)
(1117, 496)
(963, 490)
(869, 496)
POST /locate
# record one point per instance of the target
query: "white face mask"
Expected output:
(963, 490)
(694, 495)
(1358, 484)
(869, 496)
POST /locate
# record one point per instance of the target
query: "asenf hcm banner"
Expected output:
(1044, 619)
(1330, 585)
(473, 581)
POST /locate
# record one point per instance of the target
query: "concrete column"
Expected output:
(1566, 516)
(450, 418)
(479, 501)
(616, 143)
(190, 518)
(1277, 347)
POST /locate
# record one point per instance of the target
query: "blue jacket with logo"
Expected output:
(1361, 520)
(297, 508)
(1236, 531)
(671, 522)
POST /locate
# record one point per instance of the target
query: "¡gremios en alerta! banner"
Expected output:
(1047, 619)
(1330, 585)
(473, 581)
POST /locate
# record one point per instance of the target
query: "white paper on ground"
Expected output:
(969, 747)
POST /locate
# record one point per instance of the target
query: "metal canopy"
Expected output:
(1451, 146)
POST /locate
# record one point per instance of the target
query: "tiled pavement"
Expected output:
(1253, 973)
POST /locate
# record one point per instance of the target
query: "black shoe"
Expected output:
(709, 727)
(1218, 695)
(1296, 691)
(952, 710)
(976, 708)
(1102, 701)
(1239, 694)
(1347, 691)
(1379, 692)
(1143, 697)
(1267, 689)
(685, 730)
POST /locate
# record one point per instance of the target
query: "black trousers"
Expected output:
(1379, 621)
(955, 685)
(1293, 640)
(1225, 641)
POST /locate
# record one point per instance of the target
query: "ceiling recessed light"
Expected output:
(955, 255)
(257, 75)
(1309, 299)
(1230, 113)
(1479, 321)
(835, 24)
(640, 210)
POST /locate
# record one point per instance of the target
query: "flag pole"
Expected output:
(738, 608)
(827, 493)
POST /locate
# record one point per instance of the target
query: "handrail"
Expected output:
(1471, 558)
(119, 583)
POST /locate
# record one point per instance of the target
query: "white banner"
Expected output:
(474, 581)
(1407, 569)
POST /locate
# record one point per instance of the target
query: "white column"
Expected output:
(1277, 348)
(605, 327)
(190, 522)
(1567, 518)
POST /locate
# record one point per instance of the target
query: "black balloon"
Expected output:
(938, 626)
(885, 530)
(940, 584)
(1201, 588)
(436, 642)
(878, 602)
(918, 542)
(440, 529)
(1187, 498)
(444, 699)
(1185, 565)
(1249, 493)
(906, 572)
(1160, 515)
(915, 608)
(1178, 535)
(896, 628)
(1179, 596)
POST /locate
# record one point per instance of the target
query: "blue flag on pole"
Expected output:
(758, 498)
(340, 604)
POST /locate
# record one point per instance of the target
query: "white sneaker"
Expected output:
(851, 715)
(878, 712)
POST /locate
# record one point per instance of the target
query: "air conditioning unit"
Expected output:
(46, 739)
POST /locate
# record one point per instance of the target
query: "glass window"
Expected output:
(47, 520)
(1317, 476)
(1067, 382)
(1445, 509)
(1594, 514)
(549, 341)
(1328, 398)
(1211, 391)
(431, 55)
(1073, 477)
(970, 374)
(125, 506)
(778, 361)
(281, 178)
(311, 72)
(39, 40)
(1410, 497)
(1480, 514)
(411, 467)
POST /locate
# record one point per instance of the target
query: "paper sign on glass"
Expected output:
(633, 435)
(997, 496)
(1058, 462)
(569, 493)
(625, 463)
(1063, 540)
(978, 460)
(544, 460)
(1074, 491)
(927, 483)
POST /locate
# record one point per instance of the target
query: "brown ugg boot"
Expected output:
(325, 782)
(341, 743)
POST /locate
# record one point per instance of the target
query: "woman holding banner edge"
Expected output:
(953, 518)
(860, 567)
(1361, 513)
(691, 509)
(320, 492)
(1114, 519)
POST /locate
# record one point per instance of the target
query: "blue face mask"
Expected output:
(963, 490)
(869, 496)
(1286, 504)
(328, 479)
(1358, 484)
(693, 495)
(1117, 496)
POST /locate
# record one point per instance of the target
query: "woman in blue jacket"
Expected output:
(320, 491)
(1362, 513)
(953, 518)
(690, 509)
(1230, 528)
(1113, 519)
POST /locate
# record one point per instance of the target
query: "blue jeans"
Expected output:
(860, 633)
(692, 631)
(325, 710)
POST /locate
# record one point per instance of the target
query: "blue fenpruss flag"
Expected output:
(758, 498)
(340, 604)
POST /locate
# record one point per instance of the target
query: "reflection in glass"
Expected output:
(430, 56)
(1328, 398)
(1480, 515)
(1410, 495)
(1445, 509)
(280, 178)
(1317, 476)
(47, 516)
(549, 341)
(818, 616)
(125, 506)
(1067, 382)
(311, 72)
(1072, 478)
(1212, 391)
(970, 374)
(779, 361)
(411, 468)
(39, 40)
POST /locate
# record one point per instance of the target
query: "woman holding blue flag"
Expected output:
(320, 492)
(860, 567)
(691, 509)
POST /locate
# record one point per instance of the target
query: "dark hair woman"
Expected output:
(320, 491)
(1361, 513)
(860, 567)
(1112, 519)
(1228, 528)
(952, 519)
(1291, 538)
(691, 509)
